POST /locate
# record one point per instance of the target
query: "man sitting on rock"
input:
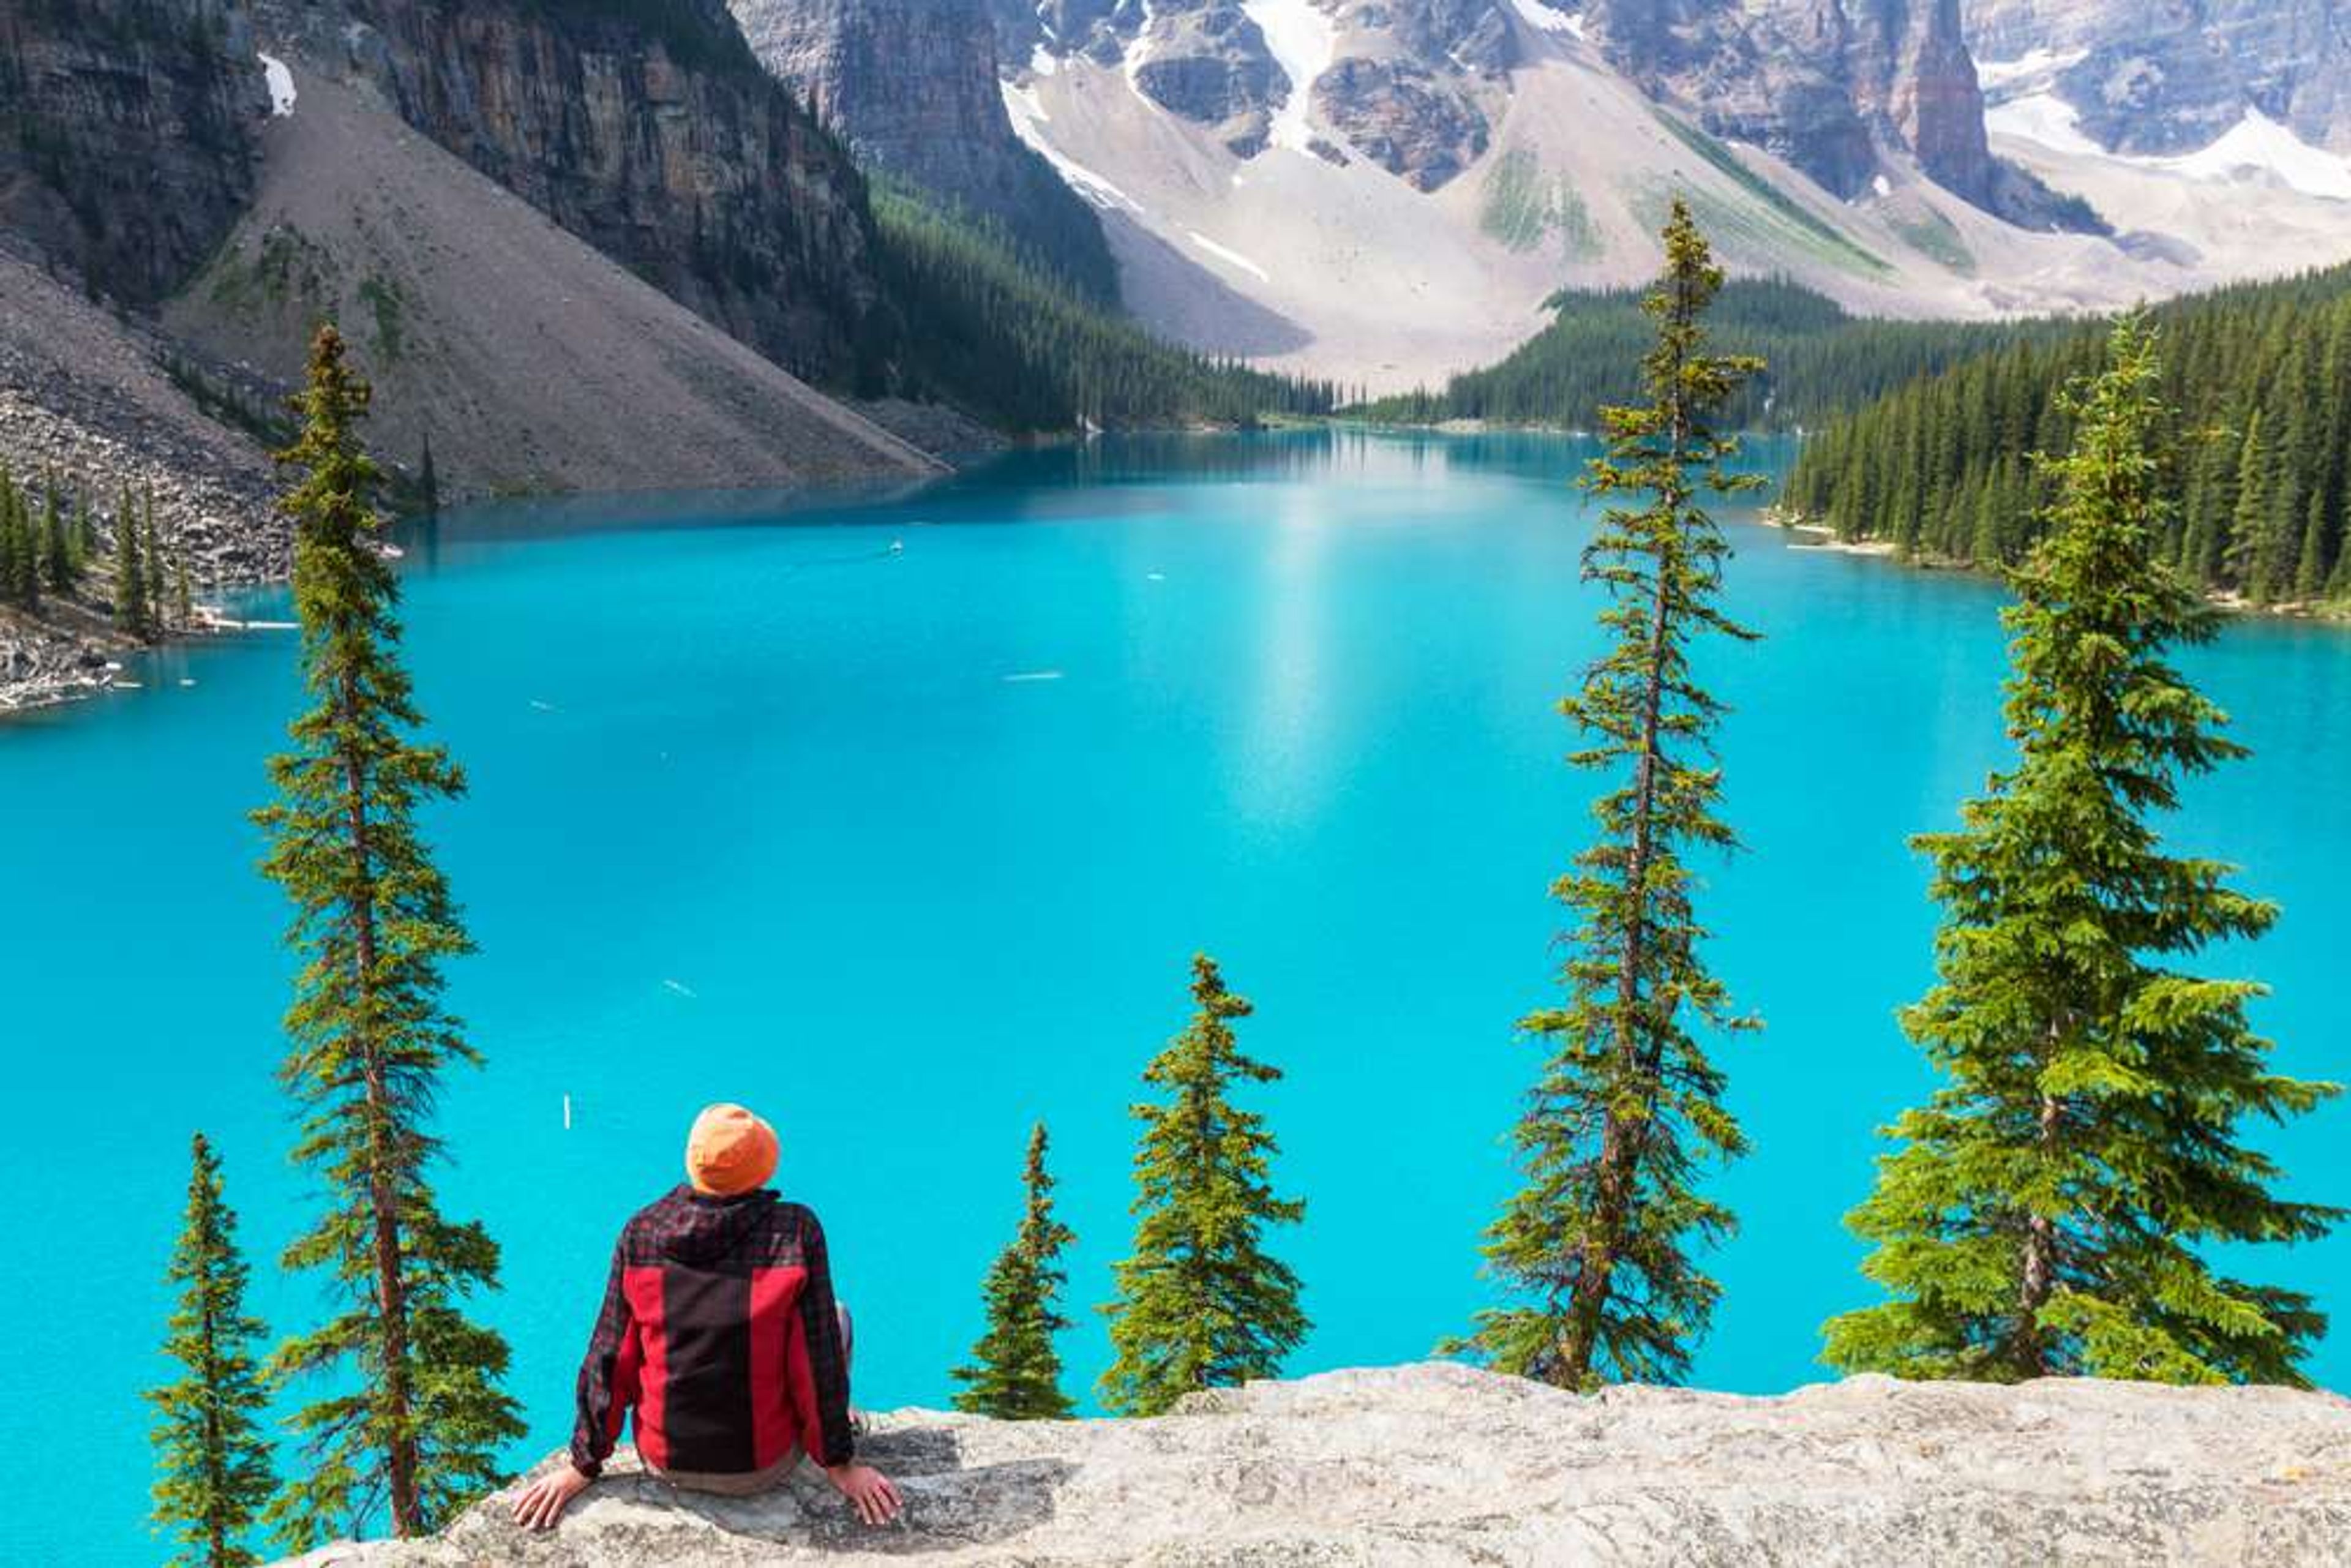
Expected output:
(719, 1330)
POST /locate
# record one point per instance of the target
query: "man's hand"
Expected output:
(869, 1492)
(543, 1502)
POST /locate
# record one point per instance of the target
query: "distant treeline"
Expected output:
(2258, 380)
(997, 331)
(1821, 360)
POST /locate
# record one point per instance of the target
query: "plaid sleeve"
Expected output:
(835, 1444)
(601, 1403)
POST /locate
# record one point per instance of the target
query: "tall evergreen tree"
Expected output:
(130, 573)
(158, 571)
(57, 542)
(1201, 1303)
(2051, 1208)
(1598, 1251)
(1016, 1373)
(416, 1414)
(212, 1460)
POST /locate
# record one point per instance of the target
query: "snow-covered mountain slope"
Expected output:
(1384, 193)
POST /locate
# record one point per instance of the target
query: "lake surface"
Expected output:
(908, 848)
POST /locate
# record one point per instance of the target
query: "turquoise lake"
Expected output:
(906, 849)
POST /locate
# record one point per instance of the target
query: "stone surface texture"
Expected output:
(1416, 1467)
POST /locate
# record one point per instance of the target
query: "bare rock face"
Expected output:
(912, 84)
(126, 134)
(2169, 77)
(651, 132)
(1209, 63)
(1819, 82)
(1442, 1465)
(1404, 118)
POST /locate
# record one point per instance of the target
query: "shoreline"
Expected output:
(1822, 537)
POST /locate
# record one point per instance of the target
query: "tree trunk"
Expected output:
(2037, 1269)
(391, 1287)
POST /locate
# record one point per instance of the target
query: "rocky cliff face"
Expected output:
(1440, 1465)
(649, 132)
(1820, 82)
(913, 85)
(126, 134)
(2171, 77)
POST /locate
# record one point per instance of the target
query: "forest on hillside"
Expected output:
(998, 331)
(2258, 380)
(1820, 360)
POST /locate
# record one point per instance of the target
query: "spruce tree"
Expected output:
(212, 1460)
(1016, 1373)
(56, 543)
(1597, 1253)
(2052, 1210)
(1201, 1304)
(415, 1416)
(130, 576)
(158, 571)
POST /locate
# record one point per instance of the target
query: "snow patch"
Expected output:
(1232, 257)
(2044, 120)
(1881, 185)
(1028, 116)
(1044, 62)
(2260, 143)
(2256, 144)
(2037, 65)
(281, 84)
(1303, 42)
(1545, 18)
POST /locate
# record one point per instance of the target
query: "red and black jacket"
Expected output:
(718, 1330)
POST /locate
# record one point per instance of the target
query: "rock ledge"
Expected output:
(1441, 1464)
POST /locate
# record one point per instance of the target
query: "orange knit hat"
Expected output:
(730, 1151)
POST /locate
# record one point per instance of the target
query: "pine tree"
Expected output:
(416, 1417)
(2050, 1210)
(1016, 1372)
(184, 594)
(56, 543)
(130, 579)
(158, 571)
(1201, 1304)
(2251, 549)
(213, 1461)
(1598, 1250)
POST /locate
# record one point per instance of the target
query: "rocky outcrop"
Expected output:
(1820, 82)
(1209, 62)
(126, 134)
(652, 133)
(914, 87)
(2170, 79)
(1442, 1465)
(1404, 118)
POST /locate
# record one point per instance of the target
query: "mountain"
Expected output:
(651, 132)
(126, 135)
(2172, 79)
(2214, 135)
(1387, 191)
(912, 85)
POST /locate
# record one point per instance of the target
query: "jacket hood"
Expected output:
(703, 1229)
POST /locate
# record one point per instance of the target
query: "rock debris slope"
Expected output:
(1442, 1465)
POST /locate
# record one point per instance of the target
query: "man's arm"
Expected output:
(830, 1439)
(602, 1404)
(830, 1442)
(601, 1401)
